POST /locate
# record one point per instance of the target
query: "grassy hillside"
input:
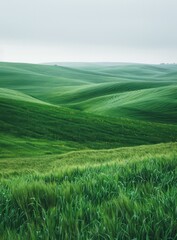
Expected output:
(144, 92)
(153, 104)
(88, 151)
(115, 194)
(56, 105)
(48, 129)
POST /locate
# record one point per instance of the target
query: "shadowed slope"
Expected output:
(31, 120)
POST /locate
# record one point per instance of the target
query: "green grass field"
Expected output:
(88, 151)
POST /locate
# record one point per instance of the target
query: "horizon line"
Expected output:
(88, 62)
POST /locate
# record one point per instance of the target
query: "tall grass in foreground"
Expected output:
(136, 200)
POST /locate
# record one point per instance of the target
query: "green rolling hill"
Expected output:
(92, 107)
(88, 151)
(136, 91)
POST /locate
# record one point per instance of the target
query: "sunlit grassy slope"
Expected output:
(88, 151)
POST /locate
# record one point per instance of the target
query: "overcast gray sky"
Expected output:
(88, 30)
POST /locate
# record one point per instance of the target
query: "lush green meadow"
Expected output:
(88, 151)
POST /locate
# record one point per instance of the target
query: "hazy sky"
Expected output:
(88, 30)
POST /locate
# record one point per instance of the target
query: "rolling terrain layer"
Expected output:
(88, 151)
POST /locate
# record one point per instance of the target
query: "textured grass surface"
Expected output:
(115, 194)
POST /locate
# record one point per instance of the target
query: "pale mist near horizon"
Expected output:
(41, 31)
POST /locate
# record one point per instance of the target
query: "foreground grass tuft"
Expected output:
(134, 200)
